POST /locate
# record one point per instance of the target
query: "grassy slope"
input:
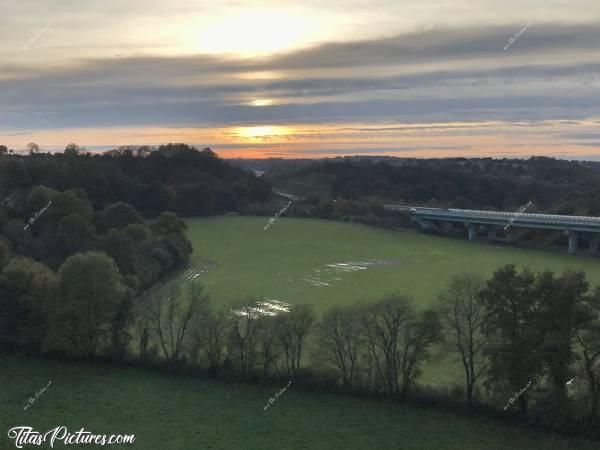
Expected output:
(251, 261)
(309, 184)
(168, 412)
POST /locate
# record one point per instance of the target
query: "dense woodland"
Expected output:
(174, 177)
(355, 188)
(82, 235)
(553, 185)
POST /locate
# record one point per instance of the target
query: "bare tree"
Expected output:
(142, 320)
(172, 314)
(339, 340)
(267, 343)
(214, 339)
(417, 338)
(398, 340)
(462, 316)
(208, 338)
(382, 322)
(292, 330)
(201, 334)
(243, 329)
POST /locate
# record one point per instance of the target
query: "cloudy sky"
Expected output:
(416, 78)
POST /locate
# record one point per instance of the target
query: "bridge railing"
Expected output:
(508, 216)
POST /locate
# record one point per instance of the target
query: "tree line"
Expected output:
(83, 307)
(73, 249)
(527, 343)
(48, 226)
(172, 177)
(475, 183)
(354, 189)
(69, 273)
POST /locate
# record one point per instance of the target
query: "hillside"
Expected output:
(174, 412)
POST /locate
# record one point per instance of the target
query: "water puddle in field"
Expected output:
(330, 273)
(267, 307)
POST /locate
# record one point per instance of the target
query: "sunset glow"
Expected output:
(253, 33)
(262, 102)
(305, 78)
(261, 132)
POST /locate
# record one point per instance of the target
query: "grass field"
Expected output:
(167, 412)
(281, 263)
(289, 261)
(308, 184)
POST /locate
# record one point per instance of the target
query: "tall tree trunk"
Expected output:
(469, 392)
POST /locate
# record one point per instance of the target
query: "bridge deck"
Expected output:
(526, 220)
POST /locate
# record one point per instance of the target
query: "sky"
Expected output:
(409, 78)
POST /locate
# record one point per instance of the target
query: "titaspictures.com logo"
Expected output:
(24, 435)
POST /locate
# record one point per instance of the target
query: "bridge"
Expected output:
(573, 226)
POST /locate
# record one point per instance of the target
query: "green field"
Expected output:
(167, 412)
(308, 184)
(235, 257)
(282, 262)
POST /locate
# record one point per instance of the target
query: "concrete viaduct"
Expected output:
(573, 226)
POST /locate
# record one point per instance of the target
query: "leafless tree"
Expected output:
(268, 347)
(214, 341)
(462, 316)
(172, 313)
(398, 340)
(243, 329)
(292, 331)
(382, 322)
(340, 341)
(416, 340)
(142, 320)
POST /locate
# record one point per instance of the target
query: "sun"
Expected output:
(262, 102)
(261, 132)
(251, 33)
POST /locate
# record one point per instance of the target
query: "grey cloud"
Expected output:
(587, 144)
(445, 44)
(198, 91)
(198, 113)
(586, 135)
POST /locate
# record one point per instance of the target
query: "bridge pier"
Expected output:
(491, 221)
(472, 231)
(593, 241)
(573, 239)
(426, 224)
(445, 227)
